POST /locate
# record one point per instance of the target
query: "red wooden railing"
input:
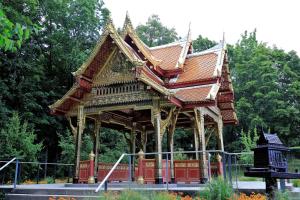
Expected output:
(121, 172)
(184, 170)
(84, 169)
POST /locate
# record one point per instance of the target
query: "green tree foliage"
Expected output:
(18, 140)
(266, 83)
(154, 33)
(15, 23)
(39, 73)
(202, 43)
(67, 145)
(112, 145)
(248, 141)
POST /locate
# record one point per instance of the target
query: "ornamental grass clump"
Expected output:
(131, 195)
(217, 189)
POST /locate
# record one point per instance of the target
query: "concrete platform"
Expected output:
(87, 191)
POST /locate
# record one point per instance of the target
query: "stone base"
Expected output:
(203, 180)
(75, 180)
(159, 180)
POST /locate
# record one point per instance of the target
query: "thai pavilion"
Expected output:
(126, 85)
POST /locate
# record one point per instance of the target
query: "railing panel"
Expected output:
(84, 171)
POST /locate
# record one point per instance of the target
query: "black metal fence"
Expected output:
(234, 165)
(36, 172)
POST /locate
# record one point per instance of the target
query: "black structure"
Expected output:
(270, 162)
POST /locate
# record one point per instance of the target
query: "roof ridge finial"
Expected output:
(189, 35)
(127, 19)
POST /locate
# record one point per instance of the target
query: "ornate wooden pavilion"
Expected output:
(129, 86)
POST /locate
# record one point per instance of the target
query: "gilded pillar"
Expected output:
(196, 139)
(171, 132)
(97, 147)
(156, 120)
(220, 134)
(199, 119)
(80, 128)
(143, 139)
(133, 147)
(171, 147)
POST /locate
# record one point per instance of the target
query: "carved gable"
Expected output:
(118, 69)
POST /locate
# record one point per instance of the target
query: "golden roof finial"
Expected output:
(189, 35)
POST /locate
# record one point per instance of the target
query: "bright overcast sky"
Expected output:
(277, 21)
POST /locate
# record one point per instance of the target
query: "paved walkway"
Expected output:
(241, 185)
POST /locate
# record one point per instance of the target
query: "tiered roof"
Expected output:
(189, 79)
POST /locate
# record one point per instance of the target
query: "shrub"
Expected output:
(282, 196)
(296, 182)
(50, 180)
(131, 195)
(217, 189)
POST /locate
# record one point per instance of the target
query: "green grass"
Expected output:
(296, 182)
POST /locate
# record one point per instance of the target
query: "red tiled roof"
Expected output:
(198, 68)
(195, 94)
(229, 116)
(169, 56)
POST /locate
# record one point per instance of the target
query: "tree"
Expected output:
(39, 73)
(266, 87)
(18, 140)
(154, 33)
(202, 43)
(67, 145)
(15, 25)
(248, 141)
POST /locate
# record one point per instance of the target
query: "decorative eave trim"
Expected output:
(175, 85)
(175, 101)
(167, 73)
(112, 32)
(184, 51)
(151, 80)
(189, 105)
(129, 30)
(65, 97)
(213, 92)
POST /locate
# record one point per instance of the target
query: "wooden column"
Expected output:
(220, 134)
(143, 139)
(171, 149)
(196, 139)
(80, 128)
(199, 122)
(220, 144)
(156, 119)
(132, 148)
(171, 132)
(97, 147)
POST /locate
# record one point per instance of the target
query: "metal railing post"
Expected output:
(236, 172)
(69, 174)
(129, 171)
(38, 175)
(16, 173)
(224, 164)
(167, 172)
(229, 169)
(105, 186)
(209, 167)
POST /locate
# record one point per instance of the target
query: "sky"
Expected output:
(277, 21)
